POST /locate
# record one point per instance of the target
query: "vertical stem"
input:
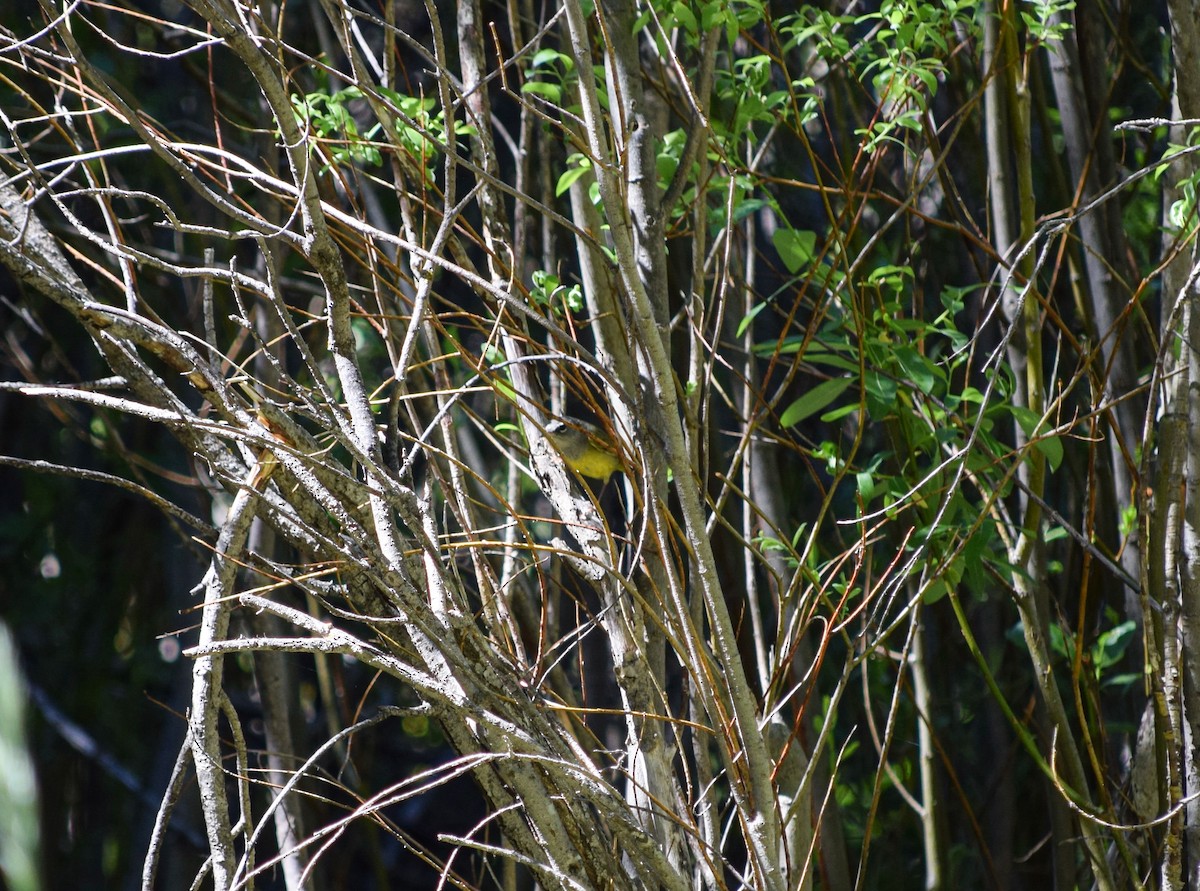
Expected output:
(1032, 595)
(744, 750)
(1185, 47)
(926, 762)
(207, 676)
(1173, 572)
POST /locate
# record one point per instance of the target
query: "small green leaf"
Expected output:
(552, 92)
(973, 553)
(814, 400)
(1122, 680)
(837, 414)
(505, 390)
(565, 181)
(1129, 519)
(686, 17)
(1112, 644)
(1052, 448)
(817, 356)
(916, 368)
(936, 591)
(548, 57)
(747, 207)
(866, 485)
(748, 319)
(796, 247)
(881, 393)
(665, 166)
(1061, 642)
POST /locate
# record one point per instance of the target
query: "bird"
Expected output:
(584, 447)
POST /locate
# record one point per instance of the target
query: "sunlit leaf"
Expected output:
(814, 400)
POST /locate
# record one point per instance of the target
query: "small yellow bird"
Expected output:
(584, 447)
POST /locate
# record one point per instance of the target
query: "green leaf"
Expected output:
(665, 167)
(1129, 519)
(548, 57)
(1060, 641)
(817, 357)
(504, 390)
(1050, 446)
(1054, 534)
(937, 589)
(866, 485)
(1122, 680)
(686, 17)
(796, 247)
(565, 181)
(973, 553)
(814, 400)
(916, 368)
(1026, 418)
(881, 393)
(747, 207)
(748, 319)
(1112, 644)
(838, 413)
(552, 92)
